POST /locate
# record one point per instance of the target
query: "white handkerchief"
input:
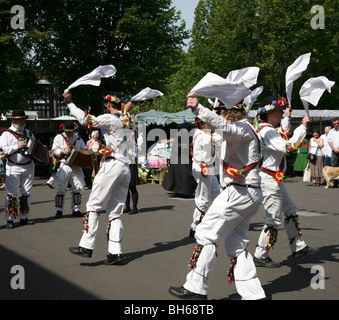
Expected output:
(146, 94)
(293, 73)
(252, 97)
(313, 89)
(94, 78)
(246, 76)
(214, 86)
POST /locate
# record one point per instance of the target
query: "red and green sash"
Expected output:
(19, 137)
(235, 172)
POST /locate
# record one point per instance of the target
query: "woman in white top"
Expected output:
(316, 145)
(326, 150)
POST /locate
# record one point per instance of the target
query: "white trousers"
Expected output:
(73, 175)
(228, 220)
(208, 188)
(276, 200)
(19, 179)
(110, 184)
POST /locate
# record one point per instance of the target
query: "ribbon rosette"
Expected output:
(282, 102)
(89, 121)
(105, 151)
(279, 176)
(234, 172)
(204, 171)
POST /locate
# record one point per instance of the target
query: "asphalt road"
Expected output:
(157, 249)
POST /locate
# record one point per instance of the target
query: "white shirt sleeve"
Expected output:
(103, 121)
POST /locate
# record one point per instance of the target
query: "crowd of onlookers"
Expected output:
(323, 151)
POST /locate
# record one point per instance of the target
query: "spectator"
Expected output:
(179, 178)
(94, 144)
(326, 150)
(316, 145)
(133, 167)
(333, 141)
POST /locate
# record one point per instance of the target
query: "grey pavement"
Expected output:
(157, 249)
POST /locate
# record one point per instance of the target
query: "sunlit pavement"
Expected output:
(157, 250)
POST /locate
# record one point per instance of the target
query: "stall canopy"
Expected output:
(316, 114)
(164, 118)
(64, 118)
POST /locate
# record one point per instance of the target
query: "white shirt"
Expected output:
(275, 147)
(327, 150)
(59, 143)
(315, 149)
(113, 130)
(242, 145)
(9, 145)
(203, 149)
(333, 136)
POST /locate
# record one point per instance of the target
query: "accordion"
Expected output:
(36, 151)
(81, 158)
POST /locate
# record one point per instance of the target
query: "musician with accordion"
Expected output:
(66, 146)
(19, 169)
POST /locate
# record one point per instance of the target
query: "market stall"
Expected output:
(154, 166)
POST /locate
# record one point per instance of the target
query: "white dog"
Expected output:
(330, 174)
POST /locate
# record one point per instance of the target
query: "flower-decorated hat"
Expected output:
(70, 126)
(117, 98)
(239, 107)
(271, 104)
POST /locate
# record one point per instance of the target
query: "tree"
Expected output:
(270, 34)
(66, 39)
(18, 79)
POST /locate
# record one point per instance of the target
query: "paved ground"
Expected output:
(158, 249)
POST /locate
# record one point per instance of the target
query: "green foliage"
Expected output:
(17, 81)
(66, 39)
(270, 34)
(143, 39)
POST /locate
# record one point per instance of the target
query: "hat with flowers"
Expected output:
(271, 104)
(70, 126)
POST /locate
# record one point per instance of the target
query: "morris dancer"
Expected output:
(208, 187)
(276, 199)
(112, 181)
(62, 146)
(19, 170)
(229, 216)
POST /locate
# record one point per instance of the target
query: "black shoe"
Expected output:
(77, 214)
(58, 215)
(134, 211)
(113, 259)
(50, 185)
(126, 210)
(192, 233)
(10, 225)
(25, 222)
(306, 251)
(266, 262)
(182, 293)
(82, 252)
